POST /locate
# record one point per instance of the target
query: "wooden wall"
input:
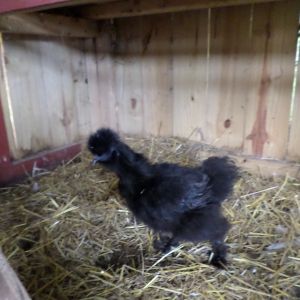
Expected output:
(221, 76)
(47, 105)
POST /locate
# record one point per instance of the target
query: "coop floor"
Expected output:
(68, 235)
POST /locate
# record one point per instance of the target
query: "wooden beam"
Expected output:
(9, 6)
(268, 167)
(259, 166)
(13, 171)
(4, 141)
(146, 7)
(48, 24)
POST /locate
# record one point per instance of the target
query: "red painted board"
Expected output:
(16, 5)
(4, 145)
(13, 171)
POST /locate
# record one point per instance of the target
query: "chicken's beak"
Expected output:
(101, 158)
(96, 159)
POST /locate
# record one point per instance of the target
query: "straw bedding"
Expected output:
(68, 235)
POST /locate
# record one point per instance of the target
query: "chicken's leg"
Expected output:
(164, 242)
(218, 254)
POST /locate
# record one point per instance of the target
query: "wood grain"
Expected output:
(102, 72)
(28, 101)
(294, 138)
(157, 75)
(229, 48)
(146, 7)
(48, 25)
(271, 74)
(222, 76)
(128, 78)
(190, 82)
(7, 126)
(35, 5)
(50, 103)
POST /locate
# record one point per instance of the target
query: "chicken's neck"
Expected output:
(132, 166)
(132, 171)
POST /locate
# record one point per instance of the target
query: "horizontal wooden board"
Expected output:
(48, 25)
(35, 5)
(127, 8)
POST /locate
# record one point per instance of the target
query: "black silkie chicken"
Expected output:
(179, 203)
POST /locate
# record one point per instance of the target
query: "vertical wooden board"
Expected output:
(109, 67)
(28, 101)
(128, 77)
(7, 118)
(59, 91)
(77, 79)
(190, 84)
(157, 75)
(93, 83)
(294, 138)
(256, 106)
(228, 61)
(283, 62)
(273, 41)
(101, 70)
(66, 84)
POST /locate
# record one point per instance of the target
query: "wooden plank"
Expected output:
(146, 7)
(157, 75)
(13, 171)
(7, 129)
(4, 145)
(257, 166)
(34, 5)
(60, 107)
(190, 67)
(228, 59)
(256, 107)
(65, 87)
(94, 93)
(77, 78)
(101, 72)
(294, 138)
(128, 78)
(110, 70)
(270, 78)
(283, 47)
(28, 103)
(11, 287)
(269, 168)
(48, 24)
(53, 91)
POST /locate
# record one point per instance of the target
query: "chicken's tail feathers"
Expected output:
(222, 173)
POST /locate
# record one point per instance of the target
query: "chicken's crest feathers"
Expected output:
(102, 141)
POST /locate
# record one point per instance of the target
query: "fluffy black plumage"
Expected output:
(180, 203)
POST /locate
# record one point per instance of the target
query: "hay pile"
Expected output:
(69, 236)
